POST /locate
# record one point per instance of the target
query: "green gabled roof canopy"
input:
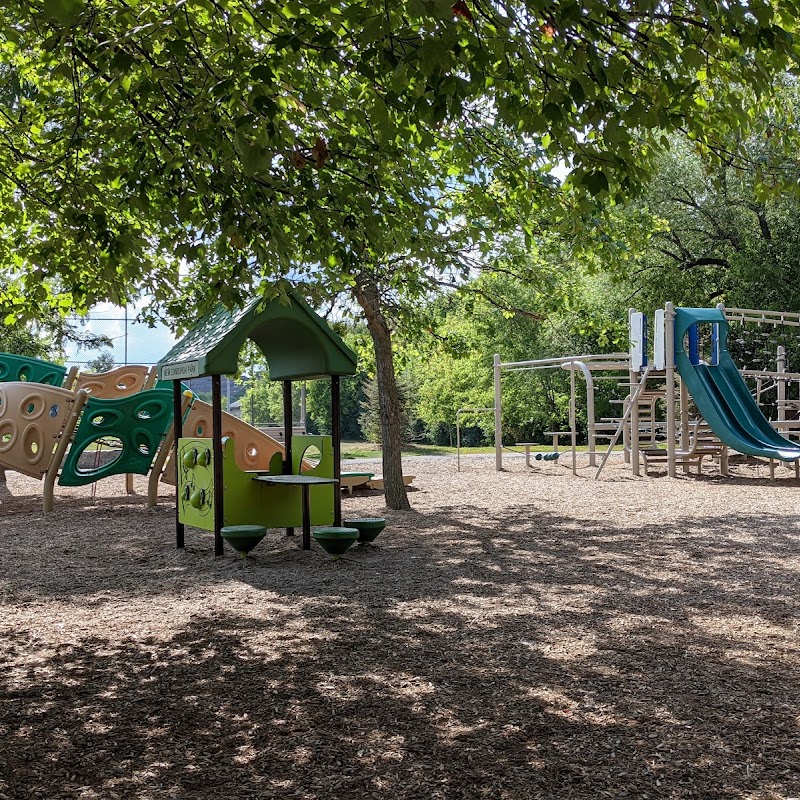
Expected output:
(297, 343)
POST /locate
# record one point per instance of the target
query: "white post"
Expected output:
(781, 386)
(498, 416)
(669, 353)
(636, 343)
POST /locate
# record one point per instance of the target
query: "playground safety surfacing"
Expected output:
(515, 635)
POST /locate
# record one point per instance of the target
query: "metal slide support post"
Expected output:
(177, 421)
(287, 435)
(669, 353)
(219, 489)
(498, 417)
(336, 436)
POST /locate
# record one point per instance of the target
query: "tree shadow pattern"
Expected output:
(466, 656)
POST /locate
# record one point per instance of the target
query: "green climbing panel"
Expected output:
(129, 428)
(20, 368)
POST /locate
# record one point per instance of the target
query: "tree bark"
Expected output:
(368, 298)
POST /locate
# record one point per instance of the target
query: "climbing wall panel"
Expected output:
(131, 430)
(119, 382)
(196, 483)
(32, 417)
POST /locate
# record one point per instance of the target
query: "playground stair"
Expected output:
(702, 444)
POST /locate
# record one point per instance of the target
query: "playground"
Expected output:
(520, 634)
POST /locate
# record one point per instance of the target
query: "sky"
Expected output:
(144, 345)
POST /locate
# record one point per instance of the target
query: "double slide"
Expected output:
(722, 396)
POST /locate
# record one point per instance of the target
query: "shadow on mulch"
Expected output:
(467, 655)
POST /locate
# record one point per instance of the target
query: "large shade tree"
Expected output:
(339, 142)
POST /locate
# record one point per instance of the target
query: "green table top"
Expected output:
(294, 480)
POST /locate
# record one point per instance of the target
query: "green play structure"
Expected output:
(213, 491)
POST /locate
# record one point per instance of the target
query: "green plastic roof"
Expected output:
(297, 343)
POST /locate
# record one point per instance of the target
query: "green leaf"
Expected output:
(596, 182)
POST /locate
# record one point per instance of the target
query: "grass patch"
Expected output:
(372, 450)
(351, 450)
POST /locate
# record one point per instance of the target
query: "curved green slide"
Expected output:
(722, 396)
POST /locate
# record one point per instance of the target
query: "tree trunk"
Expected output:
(388, 396)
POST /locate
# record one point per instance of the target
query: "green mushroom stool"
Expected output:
(335, 541)
(368, 528)
(243, 538)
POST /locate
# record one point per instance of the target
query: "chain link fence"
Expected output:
(127, 342)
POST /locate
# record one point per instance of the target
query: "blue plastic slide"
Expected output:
(722, 396)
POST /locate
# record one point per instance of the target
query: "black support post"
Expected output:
(287, 434)
(336, 436)
(177, 421)
(216, 420)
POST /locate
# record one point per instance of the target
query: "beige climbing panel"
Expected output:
(252, 448)
(119, 382)
(32, 418)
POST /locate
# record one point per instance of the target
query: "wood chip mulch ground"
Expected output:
(525, 634)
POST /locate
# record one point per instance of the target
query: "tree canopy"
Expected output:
(261, 140)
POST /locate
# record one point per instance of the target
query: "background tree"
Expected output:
(104, 362)
(519, 322)
(723, 229)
